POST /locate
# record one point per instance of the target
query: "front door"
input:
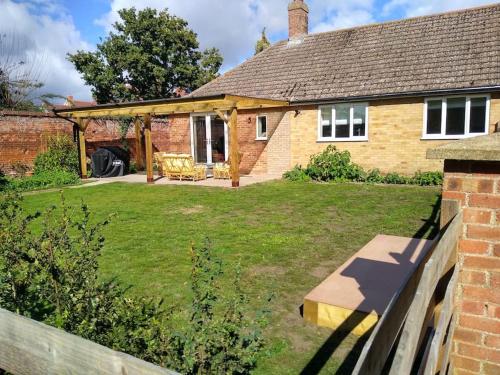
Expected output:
(209, 139)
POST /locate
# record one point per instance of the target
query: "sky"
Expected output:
(50, 29)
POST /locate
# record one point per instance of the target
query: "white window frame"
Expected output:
(257, 136)
(444, 108)
(351, 137)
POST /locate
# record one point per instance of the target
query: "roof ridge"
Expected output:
(374, 24)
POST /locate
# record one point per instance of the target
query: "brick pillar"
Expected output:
(476, 185)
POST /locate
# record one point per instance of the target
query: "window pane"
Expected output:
(455, 116)
(478, 115)
(262, 127)
(434, 110)
(326, 122)
(359, 126)
(342, 116)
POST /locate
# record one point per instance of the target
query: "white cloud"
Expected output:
(49, 34)
(413, 8)
(234, 26)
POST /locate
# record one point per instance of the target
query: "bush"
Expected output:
(42, 180)
(374, 177)
(297, 174)
(333, 165)
(52, 275)
(394, 178)
(61, 155)
(428, 178)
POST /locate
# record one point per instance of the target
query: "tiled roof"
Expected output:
(456, 50)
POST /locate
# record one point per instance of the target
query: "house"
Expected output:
(386, 92)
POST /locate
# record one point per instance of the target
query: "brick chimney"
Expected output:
(298, 19)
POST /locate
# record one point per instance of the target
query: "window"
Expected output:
(261, 128)
(456, 117)
(343, 122)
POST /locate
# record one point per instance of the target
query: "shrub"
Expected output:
(297, 174)
(395, 178)
(52, 275)
(20, 168)
(42, 180)
(333, 165)
(219, 339)
(61, 155)
(374, 177)
(428, 178)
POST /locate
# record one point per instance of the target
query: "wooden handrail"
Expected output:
(28, 347)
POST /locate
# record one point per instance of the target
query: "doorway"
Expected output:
(209, 139)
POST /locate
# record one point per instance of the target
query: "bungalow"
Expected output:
(386, 92)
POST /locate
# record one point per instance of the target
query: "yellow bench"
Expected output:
(179, 167)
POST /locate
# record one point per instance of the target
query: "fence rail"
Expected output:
(28, 347)
(406, 340)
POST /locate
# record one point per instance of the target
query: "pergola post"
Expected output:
(138, 144)
(234, 148)
(149, 148)
(81, 143)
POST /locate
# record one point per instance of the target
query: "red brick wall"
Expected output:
(23, 135)
(476, 185)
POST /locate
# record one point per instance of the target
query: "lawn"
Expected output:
(287, 236)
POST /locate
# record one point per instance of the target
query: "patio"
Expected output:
(158, 180)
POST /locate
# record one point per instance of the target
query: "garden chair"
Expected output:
(223, 170)
(180, 167)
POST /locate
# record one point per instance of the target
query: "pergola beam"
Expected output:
(82, 125)
(186, 105)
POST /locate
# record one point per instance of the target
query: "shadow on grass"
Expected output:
(428, 230)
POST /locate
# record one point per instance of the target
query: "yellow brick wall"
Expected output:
(394, 137)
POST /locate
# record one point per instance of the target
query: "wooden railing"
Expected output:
(415, 332)
(28, 347)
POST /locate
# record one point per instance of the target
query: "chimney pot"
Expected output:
(298, 19)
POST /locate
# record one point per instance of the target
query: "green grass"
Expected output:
(288, 237)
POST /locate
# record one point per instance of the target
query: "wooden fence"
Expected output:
(415, 332)
(28, 347)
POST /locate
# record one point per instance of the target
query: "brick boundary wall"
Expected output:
(476, 185)
(24, 134)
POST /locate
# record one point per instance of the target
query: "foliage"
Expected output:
(20, 168)
(61, 155)
(41, 180)
(297, 174)
(395, 178)
(333, 165)
(263, 43)
(149, 55)
(124, 124)
(428, 178)
(219, 339)
(52, 275)
(336, 166)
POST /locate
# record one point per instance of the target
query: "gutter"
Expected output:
(397, 95)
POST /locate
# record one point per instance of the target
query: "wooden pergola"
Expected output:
(224, 105)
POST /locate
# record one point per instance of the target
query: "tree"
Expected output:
(263, 43)
(148, 55)
(19, 73)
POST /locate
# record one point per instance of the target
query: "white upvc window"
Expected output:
(343, 122)
(261, 124)
(456, 117)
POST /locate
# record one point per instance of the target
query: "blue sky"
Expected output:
(53, 28)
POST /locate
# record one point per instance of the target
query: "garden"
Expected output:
(231, 267)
